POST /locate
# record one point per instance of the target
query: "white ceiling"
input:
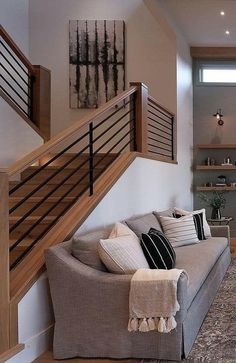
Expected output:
(200, 20)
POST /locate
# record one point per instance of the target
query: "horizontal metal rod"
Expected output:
(112, 137)
(27, 94)
(110, 127)
(160, 118)
(13, 100)
(158, 110)
(17, 62)
(157, 128)
(159, 142)
(50, 161)
(159, 147)
(111, 115)
(28, 249)
(26, 82)
(35, 207)
(18, 95)
(25, 234)
(159, 135)
(45, 182)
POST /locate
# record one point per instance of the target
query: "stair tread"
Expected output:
(32, 219)
(23, 245)
(38, 199)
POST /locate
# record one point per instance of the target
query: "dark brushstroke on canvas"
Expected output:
(96, 63)
(114, 67)
(104, 56)
(87, 79)
(77, 85)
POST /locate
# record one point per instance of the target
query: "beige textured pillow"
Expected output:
(122, 255)
(206, 227)
(121, 229)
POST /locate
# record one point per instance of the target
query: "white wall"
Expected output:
(14, 17)
(17, 138)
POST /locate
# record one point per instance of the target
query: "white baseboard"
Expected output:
(34, 347)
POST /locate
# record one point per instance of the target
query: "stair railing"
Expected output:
(122, 125)
(24, 86)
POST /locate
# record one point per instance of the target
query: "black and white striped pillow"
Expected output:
(198, 221)
(158, 250)
(179, 231)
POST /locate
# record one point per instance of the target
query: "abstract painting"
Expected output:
(97, 61)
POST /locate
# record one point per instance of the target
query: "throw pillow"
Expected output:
(206, 227)
(143, 224)
(198, 221)
(122, 255)
(158, 250)
(179, 231)
(121, 229)
(85, 248)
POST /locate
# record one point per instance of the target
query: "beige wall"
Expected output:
(150, 54)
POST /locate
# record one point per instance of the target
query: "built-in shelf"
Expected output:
(216, 167)
(211, 189)
(216, 146)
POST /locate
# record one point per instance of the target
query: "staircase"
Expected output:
(55, 203)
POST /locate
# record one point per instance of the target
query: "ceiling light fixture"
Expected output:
(227, 32)
(219, 116)
(222, 13)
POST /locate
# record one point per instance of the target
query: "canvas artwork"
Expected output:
(97, 61)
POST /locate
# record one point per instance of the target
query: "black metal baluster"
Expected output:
(91, 181)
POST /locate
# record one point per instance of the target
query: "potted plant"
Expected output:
(216, 201)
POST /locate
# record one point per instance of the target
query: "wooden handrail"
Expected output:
(65, 134)
(16, 50)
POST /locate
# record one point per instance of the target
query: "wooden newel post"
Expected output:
(141, 117)
(42, 100)
(4, 263)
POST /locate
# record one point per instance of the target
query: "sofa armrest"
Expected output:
(88, 296)
(220, 231)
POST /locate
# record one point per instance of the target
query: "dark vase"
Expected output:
(215, 214)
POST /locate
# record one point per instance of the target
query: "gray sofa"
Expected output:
(91, 306)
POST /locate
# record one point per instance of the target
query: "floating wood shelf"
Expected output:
(215, 167)
(211, 189)
(216, 146)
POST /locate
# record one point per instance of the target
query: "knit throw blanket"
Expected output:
(153, 300)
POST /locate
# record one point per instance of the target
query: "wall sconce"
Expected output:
(219, 116)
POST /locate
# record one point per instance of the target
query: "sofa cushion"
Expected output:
(143, 224)
(122, 255)
(198, 260)
(165, 213)
(158, 250)
(121, 229)
(179, 231)
(85, 248)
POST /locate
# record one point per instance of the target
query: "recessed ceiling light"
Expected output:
(222, 13)
(227, 32)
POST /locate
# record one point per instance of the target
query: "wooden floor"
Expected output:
(48, 358)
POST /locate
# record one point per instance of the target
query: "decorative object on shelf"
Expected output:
(219, 116)
(217, 202)
(97, 61)
(212, 161)
(221, 181)
(227, 161)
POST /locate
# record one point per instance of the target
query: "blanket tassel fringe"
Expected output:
(162, 325)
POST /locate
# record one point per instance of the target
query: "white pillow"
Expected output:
(121, 229)
(206, 227)
(122, 255)
(179, 231)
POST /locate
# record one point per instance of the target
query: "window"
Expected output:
(217, 73)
